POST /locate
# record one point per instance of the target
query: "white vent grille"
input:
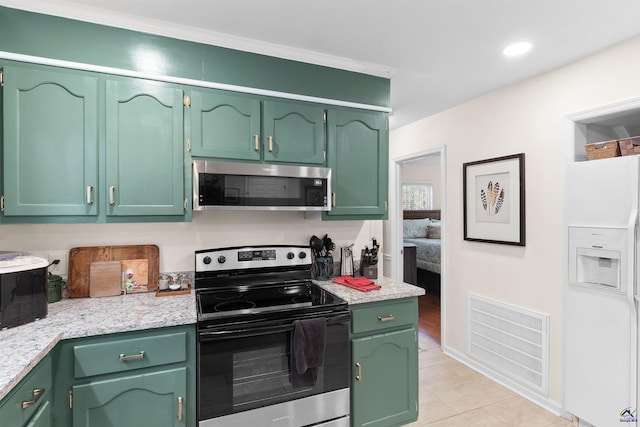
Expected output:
(511, 340)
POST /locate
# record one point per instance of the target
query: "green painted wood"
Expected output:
(144, 148)
(11, 411)
(24, 32)
(358, 152)
(42, 418)
(64, 368)
(104, 358)
(224, 125)
(50, 142)
(387, 392)
(144, 400)
(390, 314)
(293, 133)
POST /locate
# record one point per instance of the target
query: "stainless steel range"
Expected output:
(273, 348)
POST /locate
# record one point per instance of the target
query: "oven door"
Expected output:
(243, 368)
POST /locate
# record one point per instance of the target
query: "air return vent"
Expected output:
(510, 340)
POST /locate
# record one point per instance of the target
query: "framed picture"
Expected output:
(494, 208)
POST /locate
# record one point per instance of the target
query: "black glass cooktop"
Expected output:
(247, 300)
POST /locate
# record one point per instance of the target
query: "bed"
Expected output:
(422, 228)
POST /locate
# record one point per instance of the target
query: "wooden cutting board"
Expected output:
(80, 259)
(105, 278)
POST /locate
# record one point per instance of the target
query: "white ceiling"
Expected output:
(438, 53)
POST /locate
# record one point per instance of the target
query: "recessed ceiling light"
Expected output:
(517, 49)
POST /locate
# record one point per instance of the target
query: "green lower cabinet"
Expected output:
(358, 152)
(28, 404)
(384, 351)
(153, 399)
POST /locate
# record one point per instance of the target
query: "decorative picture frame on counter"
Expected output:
(494, 200)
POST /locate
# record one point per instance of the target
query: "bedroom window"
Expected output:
(417, 196)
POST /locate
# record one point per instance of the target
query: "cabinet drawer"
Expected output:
(373, 318)
(128, 354)
(27, 397)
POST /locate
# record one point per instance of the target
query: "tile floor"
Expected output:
(452, 395)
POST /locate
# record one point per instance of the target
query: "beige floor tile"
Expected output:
(475, 418)
(437, 377)
(518, 411)
(473, 394)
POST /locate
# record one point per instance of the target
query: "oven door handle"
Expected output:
(221, 334)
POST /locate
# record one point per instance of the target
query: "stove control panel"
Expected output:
(252, 257)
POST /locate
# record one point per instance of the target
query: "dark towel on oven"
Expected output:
(307, 351)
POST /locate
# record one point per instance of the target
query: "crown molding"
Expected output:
(163, 28)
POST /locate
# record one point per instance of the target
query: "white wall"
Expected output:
(178, 241)
(526, 118)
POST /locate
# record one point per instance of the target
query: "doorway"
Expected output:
(426, 167)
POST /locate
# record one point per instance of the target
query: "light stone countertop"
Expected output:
(390, 289)
(22, 347)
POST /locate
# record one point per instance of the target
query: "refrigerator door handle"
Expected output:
(632, 286)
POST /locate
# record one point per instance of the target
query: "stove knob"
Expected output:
(302, 255)
(291, 255)
(206, 260)
(221, 259)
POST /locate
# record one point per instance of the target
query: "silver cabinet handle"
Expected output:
(180, 408)
(270, 144)
(112, 195)
(37, 392)
(89, 191)
(256, 142)
(389, 318)
(333, 200)
(359, 375)
(132, 357)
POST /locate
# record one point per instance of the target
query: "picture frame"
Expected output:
(494, 200)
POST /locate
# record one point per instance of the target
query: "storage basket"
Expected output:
(630, 146)
(602, 150)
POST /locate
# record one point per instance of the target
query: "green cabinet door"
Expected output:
(153, 399)
(225, 126)
(358, 152)
(144, 148)
(50, 143)
(385, 386)
(294, 133)
(42, 418)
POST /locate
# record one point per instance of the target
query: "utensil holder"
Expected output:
(323, 268)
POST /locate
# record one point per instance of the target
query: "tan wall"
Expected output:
(525, 118)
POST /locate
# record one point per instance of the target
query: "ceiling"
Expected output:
(438, 53)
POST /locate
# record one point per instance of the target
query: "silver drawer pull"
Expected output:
(112, 197)
(389, 318)
(132, 357)
(359, 375)
(89, 191)
(180, 408)
(37, 392)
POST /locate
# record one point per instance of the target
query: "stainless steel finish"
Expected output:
(89, 191)
(311, 410)
(132, 357)
(1, 203)
(389, 318)
(256, 142)
(37, 392)
(270, 138)
(112, 198)
(180, 408)
(333, 200)
(70, 399)
(340, 422)
(231, 258)
(258, 169)
(385, 205)
(359, 375)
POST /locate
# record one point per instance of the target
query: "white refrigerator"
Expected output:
(600, 292)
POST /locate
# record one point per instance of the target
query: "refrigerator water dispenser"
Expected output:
(597, 258)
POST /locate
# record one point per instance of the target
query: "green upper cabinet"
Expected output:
(294, 133)
(144, 148)
(225, 126)
(50, 143)
(358, 152)
(232, 126)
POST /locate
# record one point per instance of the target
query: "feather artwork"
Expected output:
(500, 201)
(483, 198)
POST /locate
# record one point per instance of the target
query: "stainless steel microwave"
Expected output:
(258, 186)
